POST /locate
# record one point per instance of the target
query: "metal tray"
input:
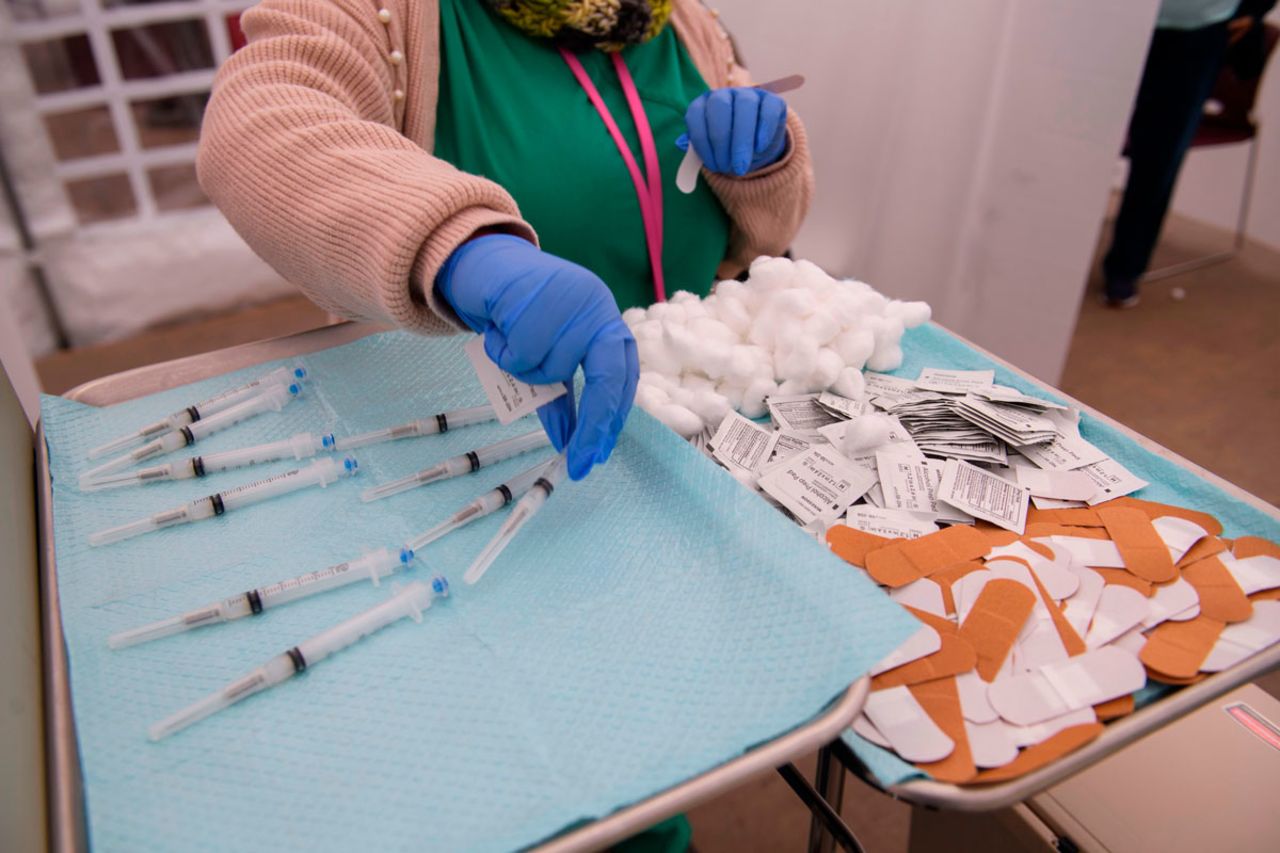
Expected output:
(66, 794)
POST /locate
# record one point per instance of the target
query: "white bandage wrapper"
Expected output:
(1099, 553)
(1080, 606)
(1028, 735)
(973, 698)
(990, 743)
(1120, 608)
(511, 399)
(923, 594)
(912, 733)
(799, 413)
(818, 484)
(867, 729)
(1178, 533)
(1041, 647)
(965, 591)
(906, 481)
(843, 406)
(920, 644)
(1131, 641)
(1056, 575)
(1245, 639)
(1075, 684)
(1059, 485)
(1113, 481)
(890, 523)
(741, 445)
(1178, 601)
(1254, 574)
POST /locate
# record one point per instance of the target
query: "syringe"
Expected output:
(373, 565)
(202, 409)
(322, 472)
(473, 460)
(410, 601)
(489, 502)
(304, 445)
(271, 399)
(442, 422)
(524, 510)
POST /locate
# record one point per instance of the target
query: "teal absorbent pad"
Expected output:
(654, 621)
(931, 346)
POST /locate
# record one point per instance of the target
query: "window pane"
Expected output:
(39, 10)
(155, 50)
(176, 188)
(100, 199)
(60, 64)
(82, 133)
(169, 121)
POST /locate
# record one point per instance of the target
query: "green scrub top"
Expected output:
(510, 110)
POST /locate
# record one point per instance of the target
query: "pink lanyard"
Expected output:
(648, 184)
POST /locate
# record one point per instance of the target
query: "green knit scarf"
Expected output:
(583, 24)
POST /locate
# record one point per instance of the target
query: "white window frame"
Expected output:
(116, 93)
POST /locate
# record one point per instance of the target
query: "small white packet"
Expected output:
(818, 484)
(890, 523)
(1059, 485)
(1099, 553)
(1074, 684)
(984, 495)
(1113, 481)
(955, 381)
(843, 406)
(912, 733)
(866, 729)
(906, 481)
(741, 444)
(799, 413)
(511, 399)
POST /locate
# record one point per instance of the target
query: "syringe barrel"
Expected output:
(512, 447)
(301, 446)
(232, 396)
(322, 472)
(193, 511)
(465, 417)
(410, 601)
(371, 566)
(271, 398)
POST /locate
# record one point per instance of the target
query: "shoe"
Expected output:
(1120, 294)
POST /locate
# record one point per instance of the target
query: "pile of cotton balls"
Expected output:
(788, 329)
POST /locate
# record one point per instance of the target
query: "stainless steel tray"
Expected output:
(66, 795)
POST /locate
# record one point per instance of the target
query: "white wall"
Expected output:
(1212, 179)
(964, 151)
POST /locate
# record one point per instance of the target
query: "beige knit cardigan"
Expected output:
(316, 146)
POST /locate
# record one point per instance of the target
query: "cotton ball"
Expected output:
(657, 357)
(911, 314)
(713, 358)
(745, 362)
(634, 317)
(710, 329)
(733, 392)
(864, 434)
(854, 347)
(667, 312)
(709, 406)
(764, 329)
(650, 397)
(679, 419)
(733, 313)
(888, 331)
(682, 343)
(683, 397)
(796, 357)
(822, 327)
(810, 276)
(827, 367)
(753, 398)
(793, 303)
(889, 358)
(695, 311)
(694, 382)
(683, 297)
(739, 290)
(659, 380)
(796, 386)
(766, 273)
(851, 383)
(646, 330)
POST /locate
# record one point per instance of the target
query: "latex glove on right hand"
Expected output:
(542, 317)
(736, 130)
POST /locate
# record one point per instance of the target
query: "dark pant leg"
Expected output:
(1182, 66)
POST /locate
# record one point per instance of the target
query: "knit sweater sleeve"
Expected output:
(301, 152)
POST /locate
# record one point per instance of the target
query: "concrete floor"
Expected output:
(1200, 374)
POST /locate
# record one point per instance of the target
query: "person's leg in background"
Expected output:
(1181, 69)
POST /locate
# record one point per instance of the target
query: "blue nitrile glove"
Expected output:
(736, 130)
(541, 317)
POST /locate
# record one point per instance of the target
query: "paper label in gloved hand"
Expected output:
(818, 484)
(511, 399)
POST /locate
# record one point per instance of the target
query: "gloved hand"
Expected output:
(736, 130)
(541, 317)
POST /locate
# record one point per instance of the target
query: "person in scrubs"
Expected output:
(507, 167)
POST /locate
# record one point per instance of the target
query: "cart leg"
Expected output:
(821, 809)
(829, 780)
